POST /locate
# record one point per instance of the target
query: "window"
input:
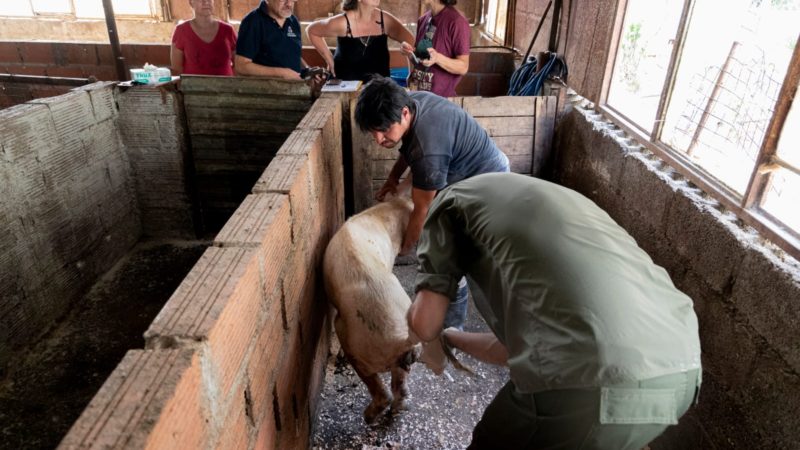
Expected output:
(703, 82)
(89, 9)
(495, 15)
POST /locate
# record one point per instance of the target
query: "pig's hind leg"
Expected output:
(377, 390)
(399, 374)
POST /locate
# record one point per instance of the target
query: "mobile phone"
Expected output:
(334, 82)
(414, 58)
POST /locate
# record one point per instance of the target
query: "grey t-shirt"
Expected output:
(575, 301)
(445, 144)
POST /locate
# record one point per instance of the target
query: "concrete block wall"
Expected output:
(67, 207)
(746, 293)
(152, 126)
(235, 358)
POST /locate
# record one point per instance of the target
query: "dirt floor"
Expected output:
(442, 410)
(47, 389)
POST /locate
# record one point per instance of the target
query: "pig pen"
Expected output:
(110, 196)
(197, 245)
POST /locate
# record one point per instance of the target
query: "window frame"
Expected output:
(485, 13)
(747, 206)
(156, 7)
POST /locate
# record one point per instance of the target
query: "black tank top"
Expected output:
(356, 58)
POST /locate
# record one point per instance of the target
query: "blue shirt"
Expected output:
(445, 144)
(266, 43)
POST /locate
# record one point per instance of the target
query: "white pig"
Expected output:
(371, 303)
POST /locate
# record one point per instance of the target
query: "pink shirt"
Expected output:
(206, 58)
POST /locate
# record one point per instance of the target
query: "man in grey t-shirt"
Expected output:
(603, 351)
(442, 144)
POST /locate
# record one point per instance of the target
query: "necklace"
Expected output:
(365, 40)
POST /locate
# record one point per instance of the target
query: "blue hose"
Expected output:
(525, 81)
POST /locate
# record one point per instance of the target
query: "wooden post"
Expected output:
(711, 99)
(113, 37)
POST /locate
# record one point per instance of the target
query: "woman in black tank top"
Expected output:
(362, 33)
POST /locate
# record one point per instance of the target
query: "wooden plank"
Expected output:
(239, 142)
(543, 136)
(378, 152)
(362, 164)
(257, 116)
(515, 145)
(382, 167)
(244, 85)
(232, 102)
(500, 106)
(507, 126)
(520, 163)
(208, 127)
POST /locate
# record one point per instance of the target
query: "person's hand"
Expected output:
(433, 58)
(290, 74)
(406, 49)
(389, 187)
(331, 70)
(407, 248)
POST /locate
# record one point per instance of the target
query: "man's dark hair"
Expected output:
(449, 2)
(380, 104)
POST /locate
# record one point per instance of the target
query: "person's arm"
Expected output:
(426, 315)
(398, 31)
(176, 60)
(390, 186)
(483, 346)
(246, 67)
(319, 30)
(457, 66)
(422, 202)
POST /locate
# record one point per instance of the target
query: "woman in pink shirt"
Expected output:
(203, 45)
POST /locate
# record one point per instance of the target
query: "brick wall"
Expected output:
(234, 359)
(745, 293)
(68, 208)
(17, 89)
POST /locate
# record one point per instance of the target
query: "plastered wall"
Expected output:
(235, 358)
(746, 294)
(68, 208)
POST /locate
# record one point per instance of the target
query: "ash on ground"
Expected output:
(442, 410)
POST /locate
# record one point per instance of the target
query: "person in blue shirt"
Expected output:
(442, 144)
(270, 42)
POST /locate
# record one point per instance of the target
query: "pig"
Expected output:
(371, 303)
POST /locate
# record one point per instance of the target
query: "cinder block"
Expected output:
(219, 302)
(266, 354)
(723, 328)
(772, 401)
(646, 190)
(706, 238)
(262, 222)
(767, 291)
(25, 130)
(293, 176)
(139, 132)
(238, 427)
(153, 399)
(144, 101)
(101, 95)
(290, 379)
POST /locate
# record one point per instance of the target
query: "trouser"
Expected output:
(623, 416)
(457, 311)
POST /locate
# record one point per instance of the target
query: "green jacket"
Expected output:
(569, 293)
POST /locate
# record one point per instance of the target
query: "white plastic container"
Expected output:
(151, 74)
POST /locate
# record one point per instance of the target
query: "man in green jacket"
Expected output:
(603, 350)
